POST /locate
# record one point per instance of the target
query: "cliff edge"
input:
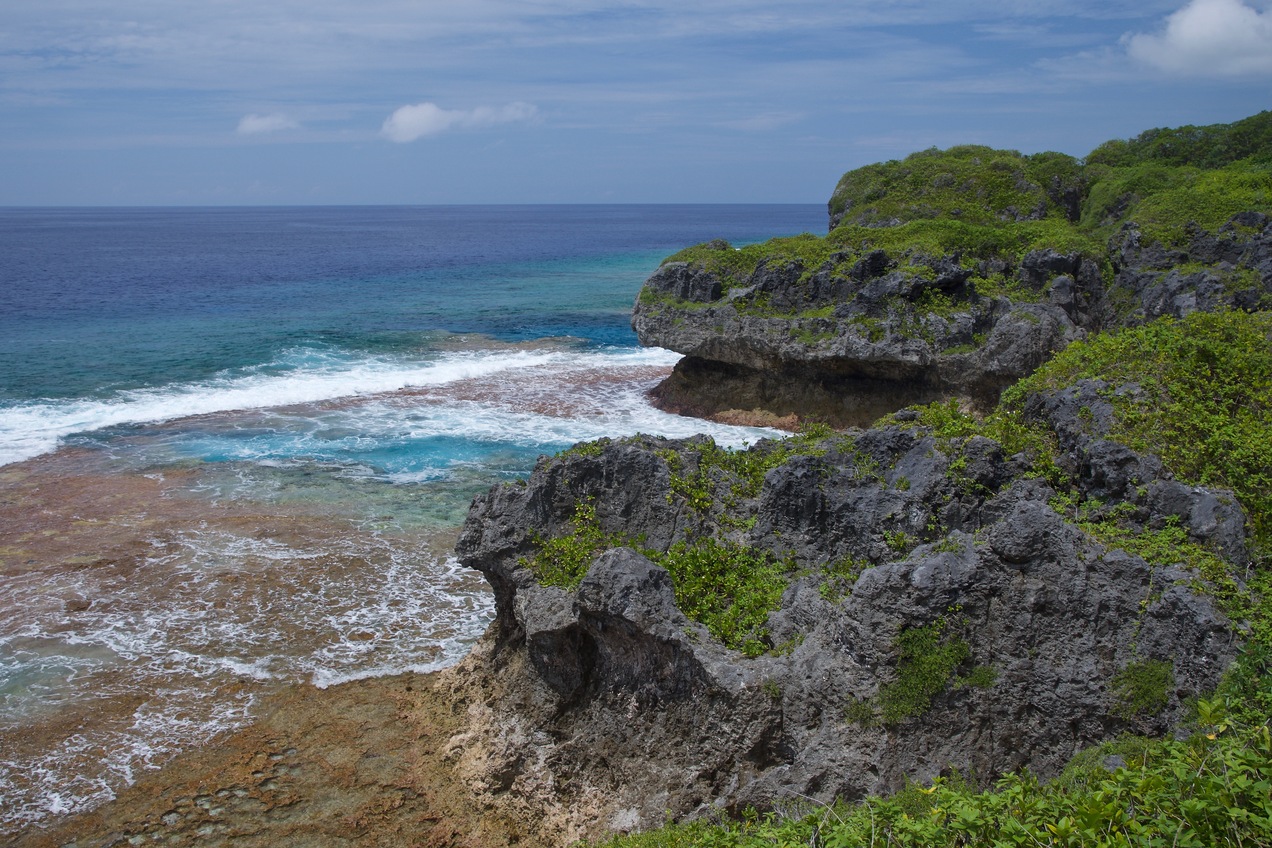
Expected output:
(1061, 540)
(952, 274)
(686, 630)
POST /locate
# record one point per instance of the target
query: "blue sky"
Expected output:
(122, 102)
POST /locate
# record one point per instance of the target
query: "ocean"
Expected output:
(236, 445)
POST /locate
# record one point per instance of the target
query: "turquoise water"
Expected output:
(235, 445)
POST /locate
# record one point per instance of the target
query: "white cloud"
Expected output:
(1209, 38)
(259, 124)
(409, 123)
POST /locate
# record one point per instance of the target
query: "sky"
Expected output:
(299, 102)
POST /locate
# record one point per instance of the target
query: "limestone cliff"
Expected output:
(941, 610)
(979, 585)
(951, 274)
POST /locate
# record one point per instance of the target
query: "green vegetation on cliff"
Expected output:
(1202, 399)
(728, 588)
(1195, 392)
(1198, 394)
(974, 184)
(1213, 146)
(989, 208)
(1212, 789)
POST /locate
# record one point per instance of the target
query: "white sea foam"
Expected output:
(219, 607)
(31, 429)
(203, 626)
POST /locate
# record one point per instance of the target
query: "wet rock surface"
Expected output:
(359, 764)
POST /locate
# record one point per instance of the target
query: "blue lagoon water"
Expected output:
(235, 445)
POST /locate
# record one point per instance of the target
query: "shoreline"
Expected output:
(367, 762)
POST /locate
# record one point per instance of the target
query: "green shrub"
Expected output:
(1206, 198)
(926, 660)
(971, 183)
(563, 560)
(738, 474)
(1213, 789)
(1213, 146)
(728, 588)
(1204, 403)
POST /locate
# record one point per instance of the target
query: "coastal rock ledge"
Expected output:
(994, 580)
(938, 612)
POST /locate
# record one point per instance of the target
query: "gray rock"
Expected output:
(643, 709)
(768, 343)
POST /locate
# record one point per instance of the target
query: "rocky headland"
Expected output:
(974, 584)
(1028, 513)
(952, 274)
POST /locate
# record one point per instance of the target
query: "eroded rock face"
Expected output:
(1228, 269)
(614, 709)
(856, 337)
(862, 335)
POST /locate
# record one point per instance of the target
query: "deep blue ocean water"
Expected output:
(107, 313)
(250, 406)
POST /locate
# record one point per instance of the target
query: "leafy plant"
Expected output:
(729, 588)
(1212, 789)
(1204, 400)
(563, 560)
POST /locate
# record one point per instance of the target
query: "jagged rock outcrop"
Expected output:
(858, 336)
(1227, 269)
(947, 603)
(615, 710)
(953, 273)
(863, 335)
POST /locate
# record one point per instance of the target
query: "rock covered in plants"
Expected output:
(940, 606)
(951, 274)
(683, 630)
(861, 333)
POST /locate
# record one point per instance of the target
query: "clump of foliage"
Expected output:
(1143, 688)
(563, 560)
(734, 265)
(1165, 201)
(993, 206)
(927, 658)
(1203, 404)
(970, 183)
(737, 473)
(1213, 146)
(728, 588)
(1212, 789)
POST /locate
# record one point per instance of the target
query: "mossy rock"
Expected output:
(970, 183)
